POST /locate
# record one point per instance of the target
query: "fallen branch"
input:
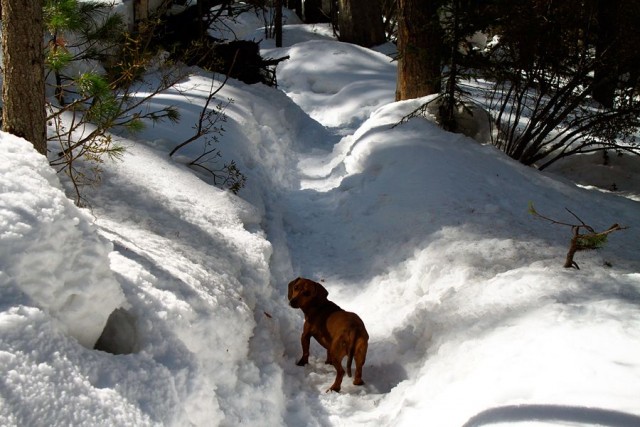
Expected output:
(274, 61)
(579, 241)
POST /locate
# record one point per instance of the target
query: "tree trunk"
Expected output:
(606, 73)
(296, 6)
(140, 10)
(360, 22)
(313, 12)
(278, 22)
(419, 49)
(23, 95)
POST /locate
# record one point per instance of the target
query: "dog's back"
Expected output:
(350, 338)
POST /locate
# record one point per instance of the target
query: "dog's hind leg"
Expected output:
(339, 375)
(360, 357)
(338, 351)
(352, 347)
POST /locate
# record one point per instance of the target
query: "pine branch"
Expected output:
(579, 241)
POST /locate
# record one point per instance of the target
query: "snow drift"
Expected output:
(50, 251)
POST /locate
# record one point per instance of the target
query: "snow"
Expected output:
(425, 234)
(50, 252)
(341, 94)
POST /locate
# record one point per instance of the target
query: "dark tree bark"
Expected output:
(296, 6)
(278, 22)
(360, 22)
(23, 94)
(606, 73)
(313, 12)
(617, 55)
(419, 49)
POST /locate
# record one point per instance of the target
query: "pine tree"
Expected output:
(23, 90)
(419, 48)
(89, 104)
(360, 22)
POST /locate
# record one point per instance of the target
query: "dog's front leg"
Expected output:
(305, 340)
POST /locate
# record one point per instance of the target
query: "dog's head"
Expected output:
(303, 292)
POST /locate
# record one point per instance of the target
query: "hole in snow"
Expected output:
(119, 335)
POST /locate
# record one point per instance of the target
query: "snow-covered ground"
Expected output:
(425, 234)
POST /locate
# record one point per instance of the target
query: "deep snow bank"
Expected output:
(194, 266)
(337, 84)
(49, 249)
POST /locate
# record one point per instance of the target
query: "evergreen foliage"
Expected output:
(94, 65)
(88, 103)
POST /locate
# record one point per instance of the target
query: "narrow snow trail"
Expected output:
(271, 137)
(310, 236)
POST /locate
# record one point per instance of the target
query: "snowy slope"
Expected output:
(425, 234)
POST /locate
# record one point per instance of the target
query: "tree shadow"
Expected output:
(554, 413)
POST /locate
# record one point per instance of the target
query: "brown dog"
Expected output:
(342, 333)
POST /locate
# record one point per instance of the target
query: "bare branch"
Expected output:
(579, 241)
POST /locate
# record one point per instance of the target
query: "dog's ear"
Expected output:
(290, 288)
(320, 291)
(292, 284)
